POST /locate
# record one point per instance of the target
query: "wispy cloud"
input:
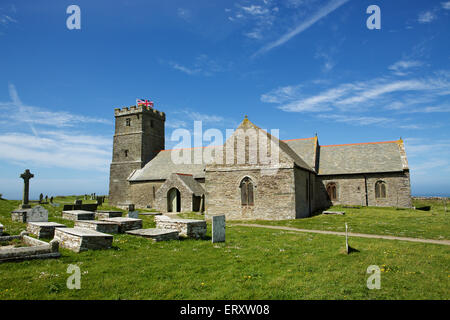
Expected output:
(426, 17)
(356, 120)
(18, 112)
(57, 149)
(446, 5)
(258, 18)
(311, 20)
(402, 67)
(63, 146)
(358, 95)
(203, 65)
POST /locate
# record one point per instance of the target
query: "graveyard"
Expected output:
(252, 263)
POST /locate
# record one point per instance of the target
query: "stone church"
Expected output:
(308, 176)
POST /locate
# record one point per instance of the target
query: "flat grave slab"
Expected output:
(78, 239)
(100, 226)
(155, 234)
(104, 214)
(43, 229)
(334, 212)
(125, 224)
(150, 213)
(35, 214)
(186, 227)
(78, 215)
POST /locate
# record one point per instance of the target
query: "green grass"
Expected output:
(433, 224)
(253, 263)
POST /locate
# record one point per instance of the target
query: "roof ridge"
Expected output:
(360, 143)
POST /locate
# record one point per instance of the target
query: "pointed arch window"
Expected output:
(380, 190)
(332, 191)
(247, 194)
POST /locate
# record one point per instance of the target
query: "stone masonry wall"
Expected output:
(141, 193)
(351, 189)
(274, 195)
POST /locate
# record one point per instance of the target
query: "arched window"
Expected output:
(331, 190)
(247, 192)
(380, 190)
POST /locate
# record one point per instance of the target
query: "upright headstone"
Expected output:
(133, 214)
(37, 214)
(46, 198)
(41, 198)
(78, 202)
(218, 228)
(51, 199)
(26, 176)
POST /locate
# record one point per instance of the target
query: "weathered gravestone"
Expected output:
(133, 214)
(78, 202)
(218, 228)
(35, 214)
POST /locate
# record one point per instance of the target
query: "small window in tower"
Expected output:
(126, 153)
(152, 124)
(128, 122)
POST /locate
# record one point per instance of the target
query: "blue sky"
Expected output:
(301, 66)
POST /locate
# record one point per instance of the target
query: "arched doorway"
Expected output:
(173, 200)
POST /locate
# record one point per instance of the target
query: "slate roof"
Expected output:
(305, 148)
(362, 158)
(372, 157)
(191, 183)
(162, 166)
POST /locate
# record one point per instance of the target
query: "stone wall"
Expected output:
(141, 193)
(351, 189)
(274, 195)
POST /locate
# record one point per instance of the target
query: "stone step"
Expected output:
(78, 215)
(43, 229)
(104, 214)
(100, 226)
(125, 224)
(155, 234)
(78, 239)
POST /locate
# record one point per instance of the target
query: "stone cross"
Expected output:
(26, 176)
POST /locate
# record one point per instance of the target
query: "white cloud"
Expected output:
(184, 14)
(360, 95)
(17, 112)
(356, 120)
(203, 65)
(400, 67)
(446, 5)
(426, 17)
(311, 20)
(255, 10)
(57, 149)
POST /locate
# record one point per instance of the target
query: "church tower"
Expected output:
(138, 137)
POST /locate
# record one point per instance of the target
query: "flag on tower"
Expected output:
(144, 102)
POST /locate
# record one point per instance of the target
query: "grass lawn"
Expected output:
(253, 263)
(433, 224)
